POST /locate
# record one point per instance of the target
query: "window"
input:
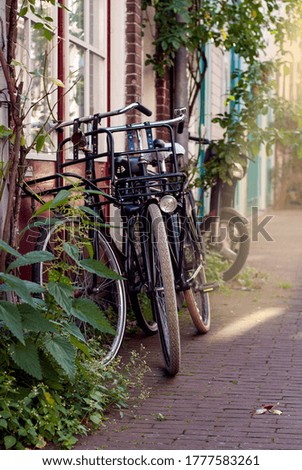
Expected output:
(87, 39)
(81, 63)
(36, 68)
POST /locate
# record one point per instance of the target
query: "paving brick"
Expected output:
(252, 355)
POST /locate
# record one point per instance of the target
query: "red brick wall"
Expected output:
(163, 97)
(134, 58)
(135, 63)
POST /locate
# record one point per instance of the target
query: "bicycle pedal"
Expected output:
(210, 286)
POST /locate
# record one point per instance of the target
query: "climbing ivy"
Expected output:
(243, 26)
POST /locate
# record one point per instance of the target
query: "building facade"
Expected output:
(98, 53)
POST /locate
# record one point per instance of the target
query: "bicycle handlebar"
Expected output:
(200, 140)
(100, 116)
(179, 119)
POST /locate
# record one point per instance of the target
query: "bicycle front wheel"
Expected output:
(163, 296)
(108, 294)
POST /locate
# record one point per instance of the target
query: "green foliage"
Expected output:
(215, 267)
(40, 9)
(242, 27)
(52, 381)
(251, 278)
(36, 327)
(32, 414)
(192, 24)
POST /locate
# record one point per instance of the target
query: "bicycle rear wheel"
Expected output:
(163, 291)
(107, 294)
(197, 299)
(138, 290)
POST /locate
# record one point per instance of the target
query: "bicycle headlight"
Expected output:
(168, 203)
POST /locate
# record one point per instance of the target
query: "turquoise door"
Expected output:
(253, 183)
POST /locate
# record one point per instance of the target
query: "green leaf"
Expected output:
(57, 82)
(96, 418)
(60, 199)
(19, 286)
(62, 293)
(34, 320)
(27, 358)
(9, 442)
(90, 211)
(5, 131)
(45, 207)
(3, 423)
(72, 251)
(10, 315)
(8, 249)
(97, 267)
(38, 26)
(87, 311)
(40, 142)
(23, 11)
(80, 345)
(64, 353)
(31, 257)
(23, 141)
(48, 34)
(73, 330)
(33, 287)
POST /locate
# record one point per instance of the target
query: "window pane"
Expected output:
(40, 66)
(97, 23)
(76, 18)
(97, 91)
(76, 94)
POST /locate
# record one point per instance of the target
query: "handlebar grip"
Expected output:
(200, 140)
(143, 109)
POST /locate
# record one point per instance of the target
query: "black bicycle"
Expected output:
(128, 152)
(187, 251)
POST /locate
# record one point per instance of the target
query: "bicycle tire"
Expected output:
(141, 305)
(236, 229)
(163, 291)
(197, 300)
(108, 294)
(140, 300)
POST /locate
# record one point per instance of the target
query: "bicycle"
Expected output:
(225, 230)
(138, 195)
(91, 238)
(188, 254)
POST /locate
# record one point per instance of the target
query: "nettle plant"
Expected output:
(44, 357)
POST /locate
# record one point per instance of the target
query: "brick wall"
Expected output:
(135, 58)
(163, 97)
(133, 52)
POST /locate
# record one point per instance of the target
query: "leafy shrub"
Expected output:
(35, 413)
(53, 385)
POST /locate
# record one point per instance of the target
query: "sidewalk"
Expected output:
(252, 355)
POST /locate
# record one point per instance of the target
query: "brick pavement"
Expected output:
(252, 355)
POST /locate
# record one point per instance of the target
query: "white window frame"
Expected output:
(100, 99)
